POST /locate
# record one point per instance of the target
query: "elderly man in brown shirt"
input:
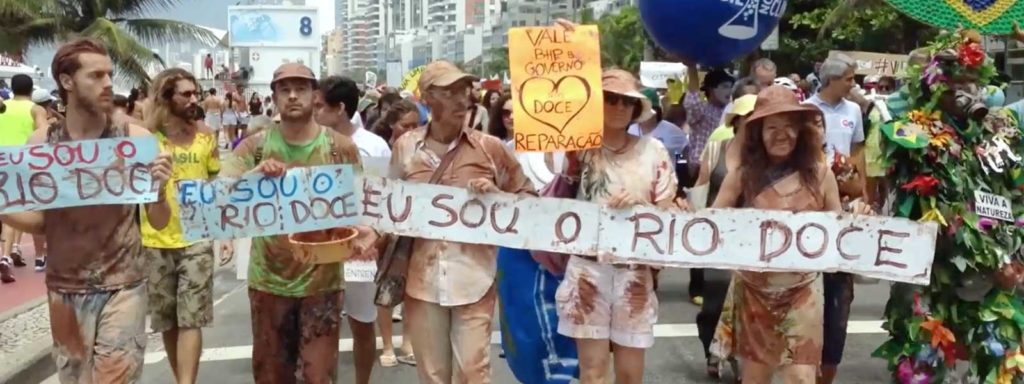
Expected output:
(450, 291)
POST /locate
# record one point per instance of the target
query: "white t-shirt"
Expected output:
(670, 135)
(374, 152)
(844, 125)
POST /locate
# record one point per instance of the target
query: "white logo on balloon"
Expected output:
(743, 25)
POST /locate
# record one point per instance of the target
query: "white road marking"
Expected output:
(661, 331)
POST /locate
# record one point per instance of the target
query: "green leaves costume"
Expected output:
(938, 158)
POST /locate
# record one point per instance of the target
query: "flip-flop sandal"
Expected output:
(388, 360)
(409, 359)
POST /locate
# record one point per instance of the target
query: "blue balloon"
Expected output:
(710, 32)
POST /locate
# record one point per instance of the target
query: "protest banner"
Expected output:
(304, 199)
(747, 239)
(880, 247)
(655, 74)
(870, 63)
(77, 173)
(556, 85)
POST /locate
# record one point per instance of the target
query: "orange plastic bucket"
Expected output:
(324, 246)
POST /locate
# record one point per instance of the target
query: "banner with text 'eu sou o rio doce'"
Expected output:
(77, 173)
(304, 199)
(556, 88)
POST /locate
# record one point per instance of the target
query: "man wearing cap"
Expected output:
(21, 117)
(704, 116)
(295, 306)
(450, 293)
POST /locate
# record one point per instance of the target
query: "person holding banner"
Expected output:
(181, 273)
(337, 100)
(295, 306)
(96, 275)
(450, 292)
(774, 320)
(609, 307)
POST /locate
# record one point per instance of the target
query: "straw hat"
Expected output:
(624, 83)
(777, 99)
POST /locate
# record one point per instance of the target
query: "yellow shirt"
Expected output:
(16, 124)
(198, 160)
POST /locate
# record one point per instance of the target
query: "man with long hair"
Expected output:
(96, 272)
(181, 272)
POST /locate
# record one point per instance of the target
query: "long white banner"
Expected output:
(748, 239)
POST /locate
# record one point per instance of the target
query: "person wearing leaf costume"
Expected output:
(948, 154)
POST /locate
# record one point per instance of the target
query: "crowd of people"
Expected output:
(760, 141)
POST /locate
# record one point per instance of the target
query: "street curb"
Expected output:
(11, 313)
(32, 365)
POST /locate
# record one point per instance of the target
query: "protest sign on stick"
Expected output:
(556, 86)
(655, 74)
(77, 173)
(304, 199)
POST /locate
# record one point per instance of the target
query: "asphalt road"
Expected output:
(675, 358)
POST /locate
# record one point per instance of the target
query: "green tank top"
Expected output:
(16, 123)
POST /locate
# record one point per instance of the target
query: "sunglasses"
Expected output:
(506, 113)
(189, 94)
(617, 99)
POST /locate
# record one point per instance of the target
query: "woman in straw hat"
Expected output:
(776, 317)
(604, 306)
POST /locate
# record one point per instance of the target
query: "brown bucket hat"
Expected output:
(778, 99)
(624, 83)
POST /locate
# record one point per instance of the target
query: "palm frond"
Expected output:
(138, 7)
(131, 57)
(156, 30)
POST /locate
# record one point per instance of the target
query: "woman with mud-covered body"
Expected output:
(774, 320)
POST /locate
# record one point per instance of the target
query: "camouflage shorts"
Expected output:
(181, 287)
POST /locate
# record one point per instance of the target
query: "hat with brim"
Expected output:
(776, 100)
(623, 83)
(442, 73)
(742, 106)
(292, 71)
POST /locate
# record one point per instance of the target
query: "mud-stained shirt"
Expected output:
(92, 248)
(646, 172)
(444, 272)
(272, 266)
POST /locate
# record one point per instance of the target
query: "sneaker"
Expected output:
(396, 314)
(40, 264)
(409, 359)
(16, 257)
(6, 270)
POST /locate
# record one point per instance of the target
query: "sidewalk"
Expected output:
(24, 321)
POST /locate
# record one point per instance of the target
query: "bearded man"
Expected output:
(96, 272)
(181, 272)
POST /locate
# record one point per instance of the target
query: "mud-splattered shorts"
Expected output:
(99, 337)
(181, 287)
(295, 333)
(602, 301)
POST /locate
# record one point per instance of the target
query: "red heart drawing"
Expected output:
(555, 87)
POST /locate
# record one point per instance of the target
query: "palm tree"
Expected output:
(117, 23)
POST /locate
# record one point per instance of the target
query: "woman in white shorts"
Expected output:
(230, 116)
(605, 306)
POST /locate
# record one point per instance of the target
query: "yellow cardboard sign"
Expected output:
(556, 87)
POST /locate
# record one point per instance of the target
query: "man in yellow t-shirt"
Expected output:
(181, 273)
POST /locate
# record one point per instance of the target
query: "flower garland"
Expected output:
(936, 164)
